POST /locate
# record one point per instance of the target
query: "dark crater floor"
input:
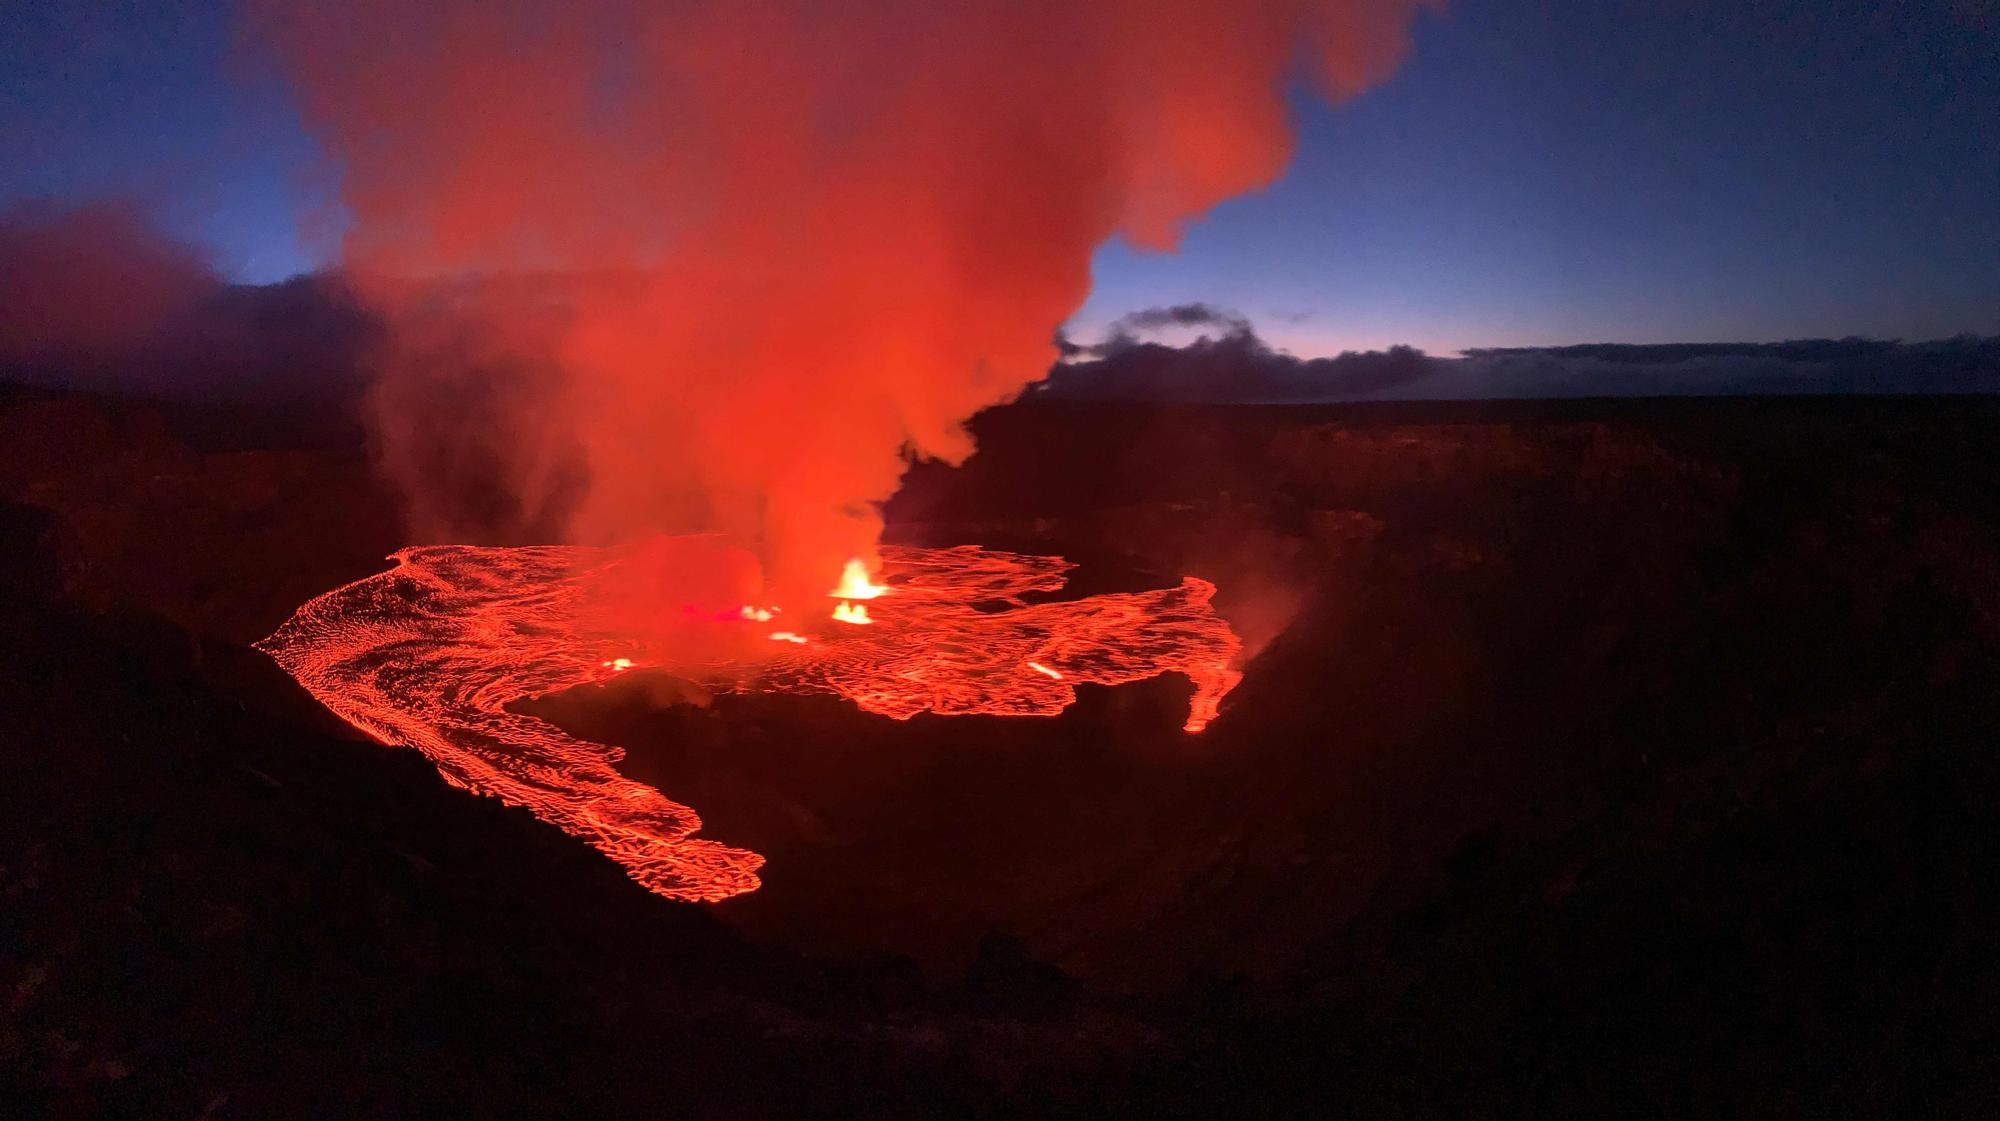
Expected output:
(1596, 759)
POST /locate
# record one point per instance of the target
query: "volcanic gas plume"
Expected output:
(721, 265)
(430, 653)
(724, 267)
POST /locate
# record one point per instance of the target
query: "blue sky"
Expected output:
(154, 102)
(1623, 171)
(1557, 172)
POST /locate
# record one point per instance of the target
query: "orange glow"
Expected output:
(430, 653)
(741, 261)
(855, 584)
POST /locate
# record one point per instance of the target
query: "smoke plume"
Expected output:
(86, 291)
(724, 264)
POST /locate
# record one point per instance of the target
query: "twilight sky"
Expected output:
(1554, 172)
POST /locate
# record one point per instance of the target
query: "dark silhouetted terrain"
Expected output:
(1235, 365)
(1599, 759)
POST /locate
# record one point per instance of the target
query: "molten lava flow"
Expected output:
(429, 654)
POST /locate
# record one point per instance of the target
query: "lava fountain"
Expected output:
(430, 653)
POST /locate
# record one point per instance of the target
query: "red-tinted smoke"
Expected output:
(737, 257)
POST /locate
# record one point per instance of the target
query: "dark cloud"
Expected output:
(94, 297)
(85, 288)
(1239, 367)
(1967, 364)
(1181, 315)
(1667, 354)
(1130, 330)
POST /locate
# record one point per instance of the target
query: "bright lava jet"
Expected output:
(430, 653)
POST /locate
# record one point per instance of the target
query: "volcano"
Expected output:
(1607, 747)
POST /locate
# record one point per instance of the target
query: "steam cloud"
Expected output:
(721, 265)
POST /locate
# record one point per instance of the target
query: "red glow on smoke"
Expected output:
(430, 653)
(721, 265)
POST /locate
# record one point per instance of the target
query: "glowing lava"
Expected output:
(430, 653)
(855, 583)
